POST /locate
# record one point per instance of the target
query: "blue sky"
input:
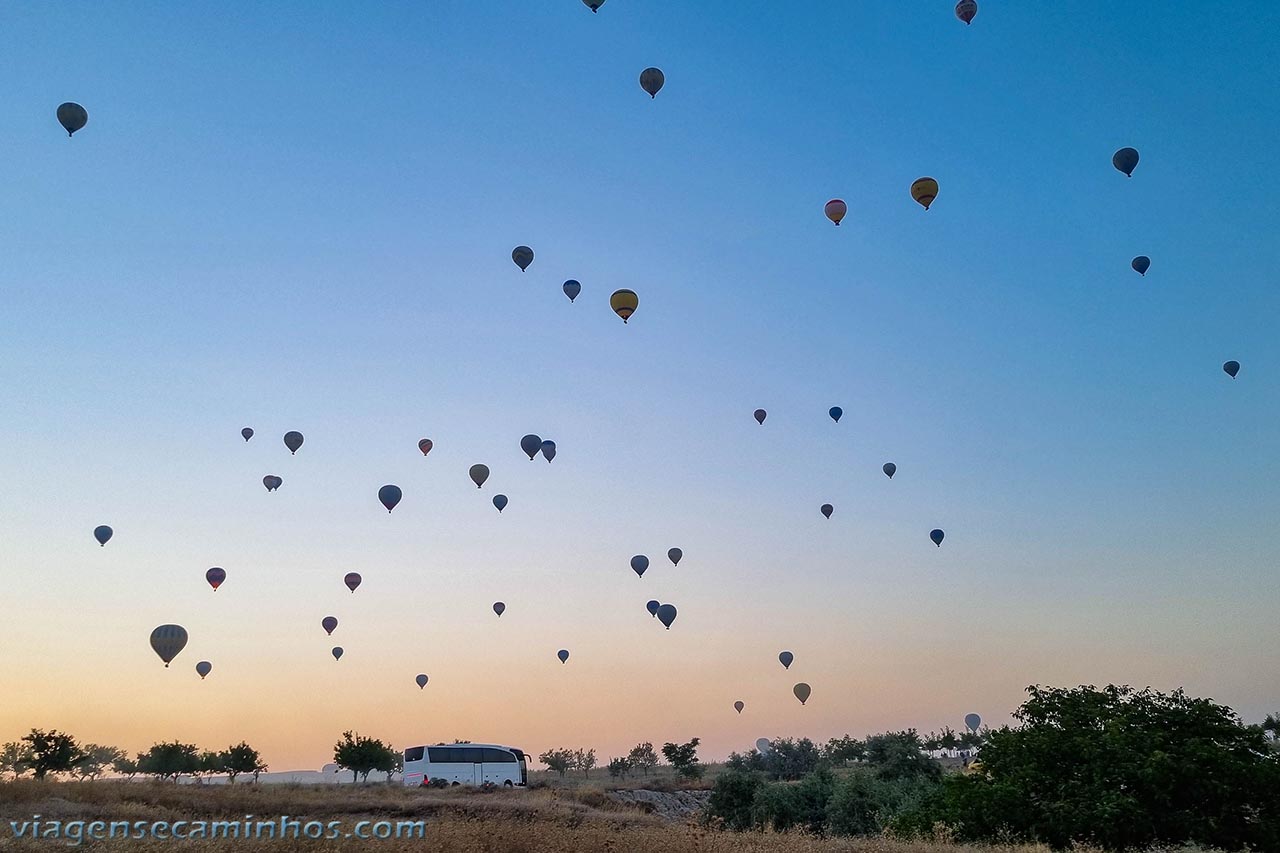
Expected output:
(302, 218)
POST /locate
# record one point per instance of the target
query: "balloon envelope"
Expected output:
(352, 580)
(548, 450)
(666, 615)
(836, 413)
(966, 9)
(293, 440)
(523, 256)
(639, 564)
(479, 473)
(760, 415)
(889, 469)
(272, 482)
(337, 652)
(593, 5)
(1126, 160)
(215, 577)
(102, 533)
(835, 210)
(763, 745)
(572, 289)
(785, 659)
(652, 606)
(329, 623)
(1141, 264)
(972, 721)
(247, 432)
(827, 509)
(421, 680)
(624, 303)
(167, 641)
(563, 654)
(390, 496)
(72, 117)
(802, 692)
(531, 444)
(425, 446)
(204, 668)
(1231, 368)
(499, 607)
(936, 535)
(675, 555)
(651, 80)
(500, 501)
(738, 706)
(924, 191)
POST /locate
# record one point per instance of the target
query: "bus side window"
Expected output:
(498, 756)
(414, 753)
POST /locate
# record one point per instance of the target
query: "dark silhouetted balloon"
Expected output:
(272, 482)
(572, 289)
(763, 745)
(72, 117)
(548, 449)
(1141, 264)
(523, 256)
(500, 501)
(593, 5)
(639, 563)
(966, 9)
(102, 533)
(827, 509)
(972, 722)
(1126, 160)
(802, 692)
(563, 654)
(329, 623)
(652, 606)
(531, 444)
(499, 607)
(936, 535)
(352, 580)
(675, 555)
(651, 80)
(167, 641)
(479, 473)
(739, 705)
(337, 652)
(889, 469)
(924, 191)
(835, 210)
(624, 303)
(390, 496)
(247, 432)
(785, 659)
(666, 615)
(293, 440)
(1231, 368)
(215, 577)
(760, 415)
(425, 446)
(421, 680)
(204, 668)
(836, 413)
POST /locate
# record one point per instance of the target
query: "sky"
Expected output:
(301, 218)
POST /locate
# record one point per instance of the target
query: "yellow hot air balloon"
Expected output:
(624, 302)
(924, 190)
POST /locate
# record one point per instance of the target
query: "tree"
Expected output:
(240, 758)
(95, 758)
(584, 761)
(390, 762)
(50, 752)
(791, 759)
(361, 755)
(949, 740)
(211, 764)
(643, 756)
(684, 758)
(900, 755)
(125, 766)
(15, 758)
(559, 760)
(170, 760)
(619, 768)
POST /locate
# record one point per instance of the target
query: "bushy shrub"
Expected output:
(732, 797)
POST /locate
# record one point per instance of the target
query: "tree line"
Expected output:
(51, 754)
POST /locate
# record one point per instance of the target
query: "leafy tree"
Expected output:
(733, 797)
(241, 758)
(619, 768)
(949, 739)
(643, 756)
(50, 752)
(95, 758)
(900, 755)
(863, 803)
(391, 762)
(15, 758)
(783, 806)
(559, 760)
(842, 750)
(972, 740)
(170, 760)
(125, 766)
(684, 758)
(211, 764)
(584, 761)
(751, 761)
(791, 759)
(360, 755)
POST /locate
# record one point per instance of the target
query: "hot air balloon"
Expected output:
(1126, 160)
(272, 482)
(889, 469)
(1231, 368)
(675, 555)
(924, 191)
(972, 721)
(548, 449)
(836, 413)
(936, 535)
(593, 5)
(739, 705)
(572, 289)
(337, 652)
(421, 680)
(652, 606)
(499, 607)
(639, 563)
(500, 501)
(802, 692)
(204, 668)
(102, 533)
(215, 577)
(247, 432)
(760, 415)
(666, 615)
(330, 624)
(479, 473)
(763, 745)
(624, 303)
(167, 641)
(531, 444)
(1141, 264)
(352, 580)
(390, 495)
(563, 654)
(523, 256)
(425, 446)
(827, 509)
(785, 659)
(651, 80)
(293, 440)
(966, 9)
(72, 117)
(835, 210)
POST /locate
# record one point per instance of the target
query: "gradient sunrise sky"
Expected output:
(301, 217)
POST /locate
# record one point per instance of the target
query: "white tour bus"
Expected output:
(465, 764)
